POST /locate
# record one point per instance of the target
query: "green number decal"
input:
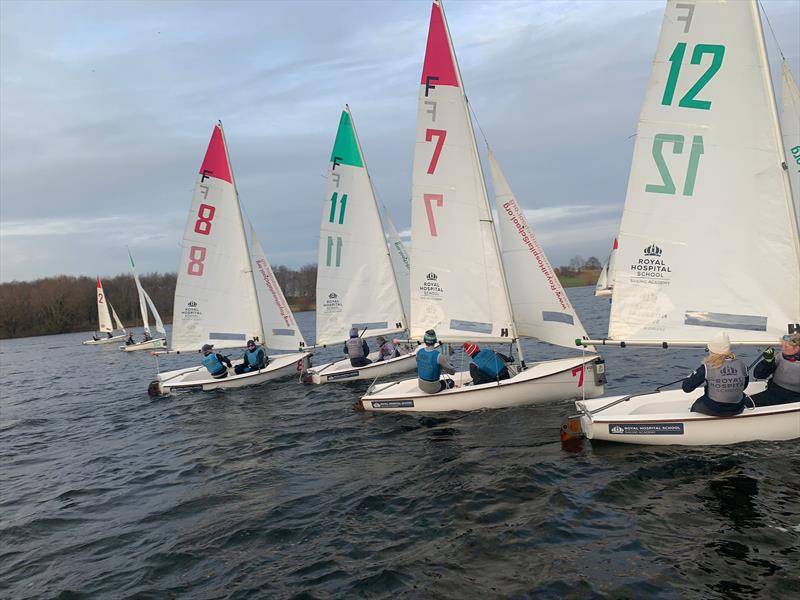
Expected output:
(329, 255)
(668, 184)
(332, 216)
(676, 58)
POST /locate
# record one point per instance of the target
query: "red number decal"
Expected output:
(429, 210)
(577, 370)
(440, 135)
(204, 215)
(197, 254)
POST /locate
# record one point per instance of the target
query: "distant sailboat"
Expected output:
(709, 237)
(356, 284)
(144, 303)
(226, 293)
(462, 286)
(105, 321)
(605, 282)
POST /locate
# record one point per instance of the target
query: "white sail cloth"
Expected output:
(541, 307)
(356, 286)
(790, 123)
(708, 239)
(401, 263)
(457, 282)
(102, 310)
(215, 297)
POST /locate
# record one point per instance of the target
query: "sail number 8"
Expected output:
(197, 254)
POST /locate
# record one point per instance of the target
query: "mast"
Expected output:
(484, 193)
(249, 268)
(377, 212)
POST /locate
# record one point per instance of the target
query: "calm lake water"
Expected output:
(282, 491)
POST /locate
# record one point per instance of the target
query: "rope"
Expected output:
(764, 10)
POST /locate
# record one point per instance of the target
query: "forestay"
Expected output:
(280, 328)
(790, 123)
(102, 309)
(355, 282)
(541, 307)
(457, 282)
(215, 297)
(401, 263)
(708, 238)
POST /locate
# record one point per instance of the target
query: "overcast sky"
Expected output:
(106, 109)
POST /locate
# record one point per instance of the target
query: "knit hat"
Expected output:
(353, 332)
(471, 349)
(720, 343)
(430, 337)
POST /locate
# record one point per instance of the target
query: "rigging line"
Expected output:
(478, 123)
(764, 10)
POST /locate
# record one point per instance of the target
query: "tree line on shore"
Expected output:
(67, 304)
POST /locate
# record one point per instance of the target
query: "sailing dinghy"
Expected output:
(356, 282)
(708, 239)
(461, 285)
(105, 321)
(226, 293)
(144, 303)
(605, 282)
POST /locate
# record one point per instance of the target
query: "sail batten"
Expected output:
(707, 231)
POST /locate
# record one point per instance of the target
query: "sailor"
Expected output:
(95, 338)
(386, 349)
(486, 365)
(146, 336)
(783, 370)
(215, 362)
(254, 359)
(129, 341)
(357, 349)
(725, 378)
(108, 333)
(430, 364)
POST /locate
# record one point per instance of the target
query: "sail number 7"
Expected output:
(440, 135)
(668, 184)
(429, 199)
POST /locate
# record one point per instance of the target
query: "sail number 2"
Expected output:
(197, 254)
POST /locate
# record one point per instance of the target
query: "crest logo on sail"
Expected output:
(191, 312)
(431, 277)
(430, 288)
(191, 303)
(652, 268)
(333, 295)
(652, 250)
(332, 304)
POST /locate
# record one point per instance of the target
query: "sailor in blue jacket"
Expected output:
(254, 359)
(430, 365)
(486, 365)
(216, 363)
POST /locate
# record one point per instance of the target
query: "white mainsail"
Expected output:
(215, 296)
(790, 123)
(102, 309)
(117, 322)
(457, 281)
(605, 282)
(541, 307)
(708, 239)
(355, 282)
(401, 263)
(280, 328)
(140, 291)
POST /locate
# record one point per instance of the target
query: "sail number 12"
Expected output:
(197, 254)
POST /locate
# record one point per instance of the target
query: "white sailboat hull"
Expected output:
(107, 340)
(664, 419)
(540, 383)
(154, 344)
(199, 379)
(342, 370)
(602, 293)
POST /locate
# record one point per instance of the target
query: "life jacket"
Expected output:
(252, 357)
(787, 373)
(428, 365)
(213, 364)
(488, 362)
(354, 348)
(726, 383)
